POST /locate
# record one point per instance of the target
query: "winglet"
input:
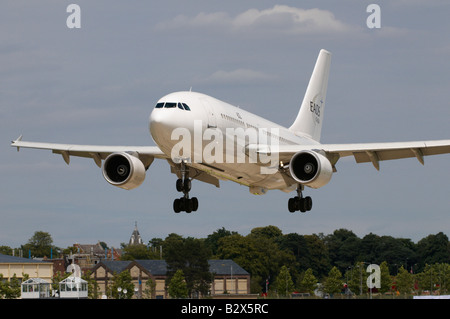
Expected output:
(17, 140)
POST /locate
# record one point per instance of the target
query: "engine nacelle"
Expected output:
(311, 169)
(123, 170)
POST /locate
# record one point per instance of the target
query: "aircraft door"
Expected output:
(211, 116)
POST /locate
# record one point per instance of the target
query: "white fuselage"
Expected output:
(214, 137)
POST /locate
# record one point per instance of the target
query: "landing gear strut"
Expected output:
(300, 203)
(183, 184)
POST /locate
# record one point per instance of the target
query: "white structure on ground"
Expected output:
(35, 288)
(73, 287)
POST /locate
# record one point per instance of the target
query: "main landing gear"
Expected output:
(300, 203)
(185, 204)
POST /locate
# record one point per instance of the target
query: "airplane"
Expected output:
(205, 139)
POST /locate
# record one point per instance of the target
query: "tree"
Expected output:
(343, 248)
(11, 289)
(122, 286)
(191, 256)
(269, 232)
(259, 255)
(149, 289)
(284, 283)
(40, 244)
(5, 250)
(212, 241)
(333, 283)
(177, 285)
(309, 282)
(318, 257)
(433, 249)
(385, 278)
(14, 291)
(436, 276)
(133, 252)
(93, 287)
(404, 281)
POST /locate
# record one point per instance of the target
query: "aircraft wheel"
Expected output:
(300, 204)
(194, 204)
(292, 205)
(187, 185)
(177, 205)
(179, 185)
(308, 203)
(187, 205)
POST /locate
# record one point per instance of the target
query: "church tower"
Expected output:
(135, 238)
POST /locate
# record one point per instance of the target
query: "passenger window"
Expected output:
(170, 105)
(186, 107)
(159, 105)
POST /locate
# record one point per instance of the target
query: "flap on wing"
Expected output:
(376, 152)
(96, 152)
(362, 152)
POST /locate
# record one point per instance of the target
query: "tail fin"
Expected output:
(309, 119)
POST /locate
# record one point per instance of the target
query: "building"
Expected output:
(11, 265)
(229, 277)
(88, 255)
(73, 287)
(35, 288)
(135, 238)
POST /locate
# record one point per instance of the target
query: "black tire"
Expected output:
(188, 205)
(179, 185)
(308, 203)
(292, 205)
(194, 204)
(177, 205)
(187, 185)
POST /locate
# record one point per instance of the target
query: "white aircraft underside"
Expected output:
(206, 139)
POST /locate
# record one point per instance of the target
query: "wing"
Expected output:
(96, 152)
(100, 152)
(372, 152)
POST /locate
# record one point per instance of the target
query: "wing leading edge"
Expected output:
(372, 152)
(100, 152)
(96, 152)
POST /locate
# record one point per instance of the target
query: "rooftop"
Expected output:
(6, 259)
(159, 267)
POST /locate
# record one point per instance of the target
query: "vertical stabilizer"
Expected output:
(310, 117)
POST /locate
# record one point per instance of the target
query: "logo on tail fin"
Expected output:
(315, 108)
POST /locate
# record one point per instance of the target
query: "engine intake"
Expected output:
(311, 169)
(123, 170)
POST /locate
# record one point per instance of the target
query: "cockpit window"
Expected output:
(168, 105)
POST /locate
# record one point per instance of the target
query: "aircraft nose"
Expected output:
(156, 117)
(158, 122)
(163, 122)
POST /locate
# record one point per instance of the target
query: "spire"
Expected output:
(135, 238)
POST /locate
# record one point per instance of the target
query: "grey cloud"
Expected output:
(279, 19)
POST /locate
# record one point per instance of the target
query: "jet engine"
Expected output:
(311, 169)
(123, 170)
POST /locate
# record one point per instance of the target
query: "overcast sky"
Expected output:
(98, 85)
